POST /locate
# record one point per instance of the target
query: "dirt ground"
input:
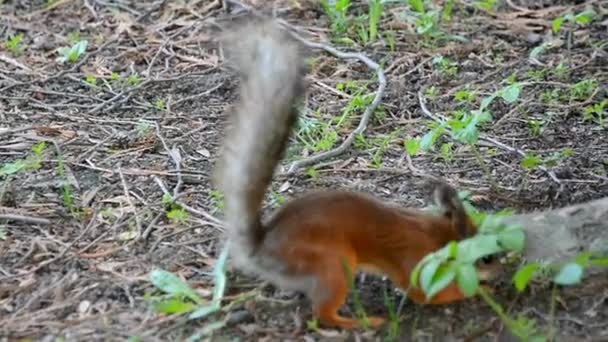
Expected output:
(89, 222)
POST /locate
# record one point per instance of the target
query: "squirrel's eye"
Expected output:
(487, 259)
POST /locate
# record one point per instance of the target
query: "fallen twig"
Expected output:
(26, 219)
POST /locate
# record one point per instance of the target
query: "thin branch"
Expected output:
(366, 114)
(26, 219)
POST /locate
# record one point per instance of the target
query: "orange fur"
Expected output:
(306, 243)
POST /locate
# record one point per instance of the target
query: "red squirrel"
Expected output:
(303, 246)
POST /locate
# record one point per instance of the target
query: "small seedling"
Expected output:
(337, 11)
(488, 5)
(177, 214)
(597, 113)
(92, 80)
(217, 201)
(13, 44)
(74, 37)
(133, 79)
(72, 54)
(143, 128)
(31, 162)
(431, 93)
(465, 96)
(533, 161)
(445, 66)
(582, 90)
(571, 20)
(159, 104)
(375, 13)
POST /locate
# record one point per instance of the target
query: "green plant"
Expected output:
(66, 189)
(463, 127)
(583, 89)
(217, 200)
(597, 113)
(456, 260)
(533, 161)
(465, 96)
(337, 11)
(2, 233)
(143, 128)
(535, 127)
(488, 5)
(427, 17)
(431, 93)
(71, 54)
(13, 44)
(74, 37)
(31, 162)
(133, 79)
(375, 13)
(92, 80)
(179, 298)
(446, 151)
(377, 158)
(277, 199)
(445, 66)
(159, 104)
(571, 20)
(454, 263)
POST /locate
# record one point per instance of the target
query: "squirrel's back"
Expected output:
(271, 67)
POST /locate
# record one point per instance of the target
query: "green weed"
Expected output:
(13, 44)
(597, 113)
(73, 53)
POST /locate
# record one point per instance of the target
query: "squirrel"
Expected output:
(305, 245)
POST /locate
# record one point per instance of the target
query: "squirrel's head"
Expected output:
(446, 197)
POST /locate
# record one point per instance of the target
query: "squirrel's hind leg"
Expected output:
(331, 292)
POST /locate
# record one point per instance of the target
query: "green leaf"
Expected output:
(583, 259)
(522, 277)
(599, 262)
(39, 147)
(512, 239)
(446, 14)
(443, 277)
(452, 247)
(428, 140)
(467, 279)
(169, 283)
(485, 102)
(427, 273)
(476, 247)
(469, 134)
(570, 274)
(530, 161)
(537, 51)
(172, 306)
(556, 24)
(412, 146)
(585, 16)
(417, 5)
(12, 168)
(511, 93)
(80, 47)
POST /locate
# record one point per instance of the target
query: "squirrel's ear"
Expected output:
(447, 198)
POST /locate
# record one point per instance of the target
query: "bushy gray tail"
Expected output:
(271, 67)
